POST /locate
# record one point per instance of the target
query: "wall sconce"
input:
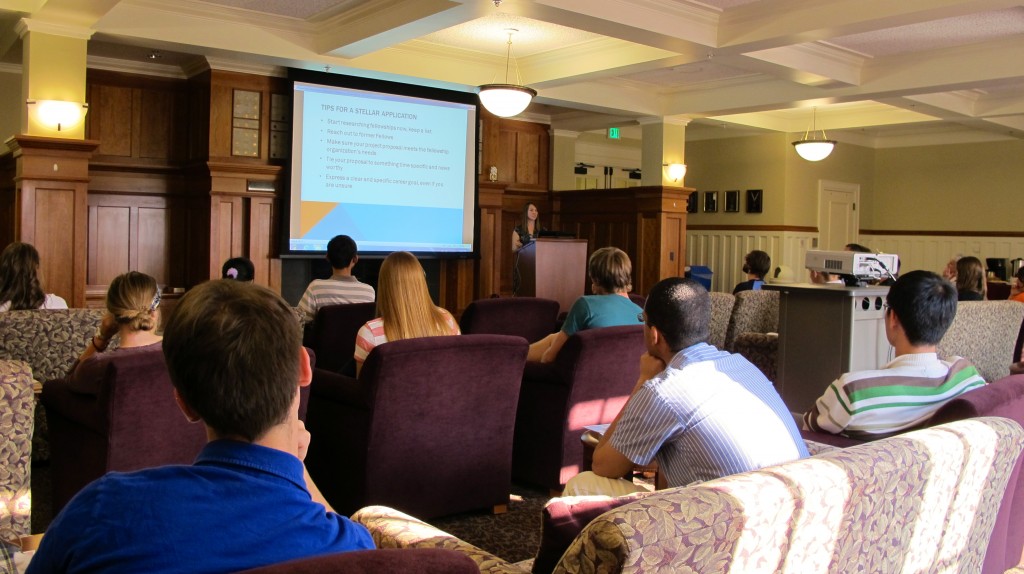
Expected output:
(57, 114)
(676, 171)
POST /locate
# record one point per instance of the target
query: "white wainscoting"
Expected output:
(723, 251)
(932, 252)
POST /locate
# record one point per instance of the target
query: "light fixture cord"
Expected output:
(814, 126)
(508, 56)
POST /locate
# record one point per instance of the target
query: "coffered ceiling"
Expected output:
(879, 72)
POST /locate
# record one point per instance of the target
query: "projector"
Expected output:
(864, 266)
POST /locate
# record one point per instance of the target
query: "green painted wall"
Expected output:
(10, 106)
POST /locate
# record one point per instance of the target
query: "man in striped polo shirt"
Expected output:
(701, 412)
(341, 287)
(920, 307)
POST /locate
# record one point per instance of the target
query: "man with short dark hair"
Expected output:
(235, 357)
(341, 287)
(701, 412)
(920, 307)
(756, 265)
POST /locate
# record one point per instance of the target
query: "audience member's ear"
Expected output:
(189, 413)
(305, 370)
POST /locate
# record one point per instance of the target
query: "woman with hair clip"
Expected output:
(970, 279)
(20, 288)
(239, 269)
(133, 313)
(404, 308)
(528, 228)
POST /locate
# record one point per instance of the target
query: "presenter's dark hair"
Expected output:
(925, 305)
(681, 311)
(232, 351)
(610, 270)
(239, 269)
(757, 262)
(341, 250)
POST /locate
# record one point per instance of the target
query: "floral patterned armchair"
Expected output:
(15, 448)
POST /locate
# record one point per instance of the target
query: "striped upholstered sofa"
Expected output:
(920, 502)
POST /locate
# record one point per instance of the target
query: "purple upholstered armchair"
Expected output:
(333, 333)
(427, 427)
(1002, 398)
(588, 383)
(117, 413)
(531, 318)
(420, 560)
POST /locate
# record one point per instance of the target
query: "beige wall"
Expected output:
(743, 163)
(847, 164)
(957, 187)
(10, 110)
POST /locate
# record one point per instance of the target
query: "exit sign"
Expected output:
(613, 133)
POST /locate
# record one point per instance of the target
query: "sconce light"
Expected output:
(507, 100)
(676, 171)
(58, 114)
(811, 147)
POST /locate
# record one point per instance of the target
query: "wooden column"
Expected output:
(50, 208)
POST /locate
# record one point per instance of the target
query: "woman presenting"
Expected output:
(528, 228)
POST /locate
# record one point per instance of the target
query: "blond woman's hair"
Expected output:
(403, 301)
(132, 298)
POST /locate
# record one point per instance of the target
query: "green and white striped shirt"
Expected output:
(904, 394)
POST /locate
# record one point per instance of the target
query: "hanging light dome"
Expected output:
(507, 100)
(811, 147)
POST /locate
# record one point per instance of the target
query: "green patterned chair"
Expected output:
(15, 449)
(49, 341)
(924, 501)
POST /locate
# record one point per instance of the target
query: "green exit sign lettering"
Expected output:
(613, 133)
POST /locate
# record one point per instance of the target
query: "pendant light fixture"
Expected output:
(506, 100)
(811, 147)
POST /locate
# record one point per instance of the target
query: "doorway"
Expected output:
(838, 222)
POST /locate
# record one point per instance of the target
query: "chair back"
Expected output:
(335, 330)
(985, 333)
(16, 447)
(117, 413)
(721, 312)
(588, 383)
(424, 415)
(49, 340)
(754, 312)
(531, 318)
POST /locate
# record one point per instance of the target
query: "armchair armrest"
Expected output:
(339, 388)
(80, 406)
(393, 529)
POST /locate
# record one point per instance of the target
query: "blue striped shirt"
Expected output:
(708, 414)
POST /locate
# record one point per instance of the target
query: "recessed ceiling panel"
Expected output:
(681, 77)
(301, 9)
(945, 33)
(488, 35)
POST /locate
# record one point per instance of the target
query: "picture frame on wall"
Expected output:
(691, 202)
(732, 201)
(755, 199)
(710, 201)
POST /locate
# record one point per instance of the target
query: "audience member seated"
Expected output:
(405, 308)
(700, 412)
(920, 307)
(970, 279)
(20, 288)
(235, 357)
(611, 281)
(1017, 290)
(756, 265)
(825, 278)
(133, 313)
(949, 271)
(239, 269)
(341, 287)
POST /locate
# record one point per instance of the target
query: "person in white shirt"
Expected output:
(20, 287)
(341, 287)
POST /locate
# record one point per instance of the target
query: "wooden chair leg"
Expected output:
(500, 508)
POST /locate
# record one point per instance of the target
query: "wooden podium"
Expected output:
(553, 269)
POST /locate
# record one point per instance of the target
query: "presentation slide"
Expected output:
(394, 172)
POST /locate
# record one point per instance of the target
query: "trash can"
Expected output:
(701, 274)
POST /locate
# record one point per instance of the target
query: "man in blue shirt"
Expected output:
(236, 360)
(701, 412)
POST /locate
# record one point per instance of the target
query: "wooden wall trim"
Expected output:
(942, 233)
(793, 228)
